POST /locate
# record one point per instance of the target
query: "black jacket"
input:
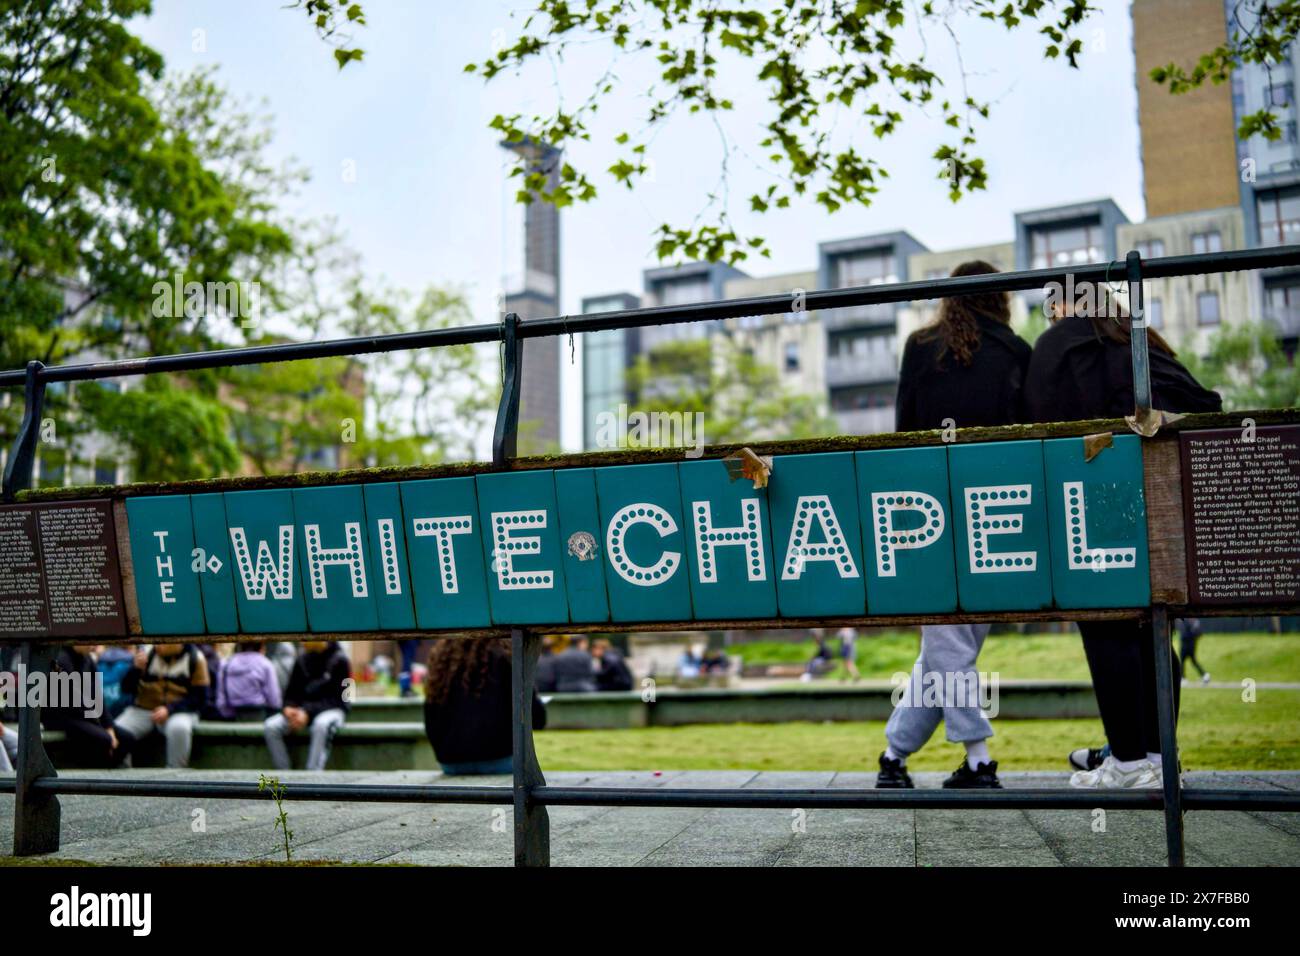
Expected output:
(316, 682)
(1077, 374)
(575, 671)
(71, 661)
(986, 392)
(613, 672)
(469, 727)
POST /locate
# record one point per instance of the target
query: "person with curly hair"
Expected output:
(967, 368)
(467, 714)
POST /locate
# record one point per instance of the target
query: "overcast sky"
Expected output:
(431, 202)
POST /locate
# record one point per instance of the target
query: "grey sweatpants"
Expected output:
(178, 729)
(8, 750)
(944, 686)
(322, 729)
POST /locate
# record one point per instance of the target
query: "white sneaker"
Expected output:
(1110, 776)
(1205, 678)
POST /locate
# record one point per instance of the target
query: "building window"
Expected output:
(683, 291)
(1203, 242)
(1279, 217)
(864, 268)
(1155, 314)
(792, 356)
(1150, 248)
(1073, 245)
(105, 471)
(1280, 94)
(1207, 308)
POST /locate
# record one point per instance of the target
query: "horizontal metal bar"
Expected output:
(1196, 798)
(234, 790)
(934, 799)
(846, 799)
(1167, 267)
(1206, 798)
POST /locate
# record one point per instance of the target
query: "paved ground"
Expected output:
(141, 831)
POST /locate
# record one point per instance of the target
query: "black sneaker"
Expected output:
(1088, 758)
(893, 775)
(983, 777)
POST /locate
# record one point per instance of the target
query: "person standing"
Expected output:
(1082, 369)
(575, 669)
(1189, 633)
(966, 369)
(849, 653)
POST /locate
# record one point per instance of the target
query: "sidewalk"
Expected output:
(143, 831)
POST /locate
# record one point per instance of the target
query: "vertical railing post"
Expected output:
(505, 437)
(18, 470)
(36, 815)
(1166, 714)
(1138, 338)
(532, 824)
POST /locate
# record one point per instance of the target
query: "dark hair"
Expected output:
(461, 662)
(1118, 329)
(957, 326)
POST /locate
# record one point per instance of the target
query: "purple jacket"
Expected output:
(247, 680)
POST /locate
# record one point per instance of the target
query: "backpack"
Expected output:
(114, 664)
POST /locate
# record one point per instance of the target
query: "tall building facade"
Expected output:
(1193, 162)
(536, 295)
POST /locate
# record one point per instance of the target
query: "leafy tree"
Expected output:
(813, 60)
(116, 180)
(1247, 366)
(1262, 32)
(741, 398)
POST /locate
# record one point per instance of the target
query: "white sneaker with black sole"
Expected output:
(1110, 776)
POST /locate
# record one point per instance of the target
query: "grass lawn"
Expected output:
(1228, 657)
(1218, 731)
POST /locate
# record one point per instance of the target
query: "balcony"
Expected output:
(1284, 319)
(865, 421)
(860, 316)
(852, 369)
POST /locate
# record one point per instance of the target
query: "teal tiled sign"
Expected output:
(162, 545)
(1097, 514)
(268, 590)
(989, 527)
(217, 579)
(389, 570)
(337, 584)
(581, 541)
(907, 531)
(1000, 523)
(444, 548)
(644, 541)
(521, 544)
(815, 536)
(728, 543)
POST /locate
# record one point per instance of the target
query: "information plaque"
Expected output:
(1241, 498)
(59, 571)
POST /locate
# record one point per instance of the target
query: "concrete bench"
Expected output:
(240, 746)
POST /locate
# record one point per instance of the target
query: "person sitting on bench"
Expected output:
(169, 684)
(317, 697)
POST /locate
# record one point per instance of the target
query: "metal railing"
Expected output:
(36, 785)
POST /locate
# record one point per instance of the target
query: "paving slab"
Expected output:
(152, 830)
